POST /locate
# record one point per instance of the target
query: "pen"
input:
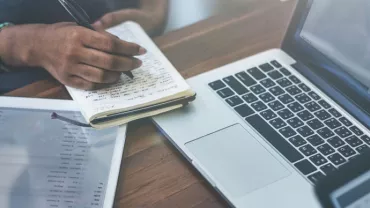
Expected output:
(81, 18)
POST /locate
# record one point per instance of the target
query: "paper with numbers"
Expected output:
(49, 163)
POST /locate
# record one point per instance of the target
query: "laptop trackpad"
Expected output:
(237, 161)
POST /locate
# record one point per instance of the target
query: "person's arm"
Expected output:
(74, 55)
(151, 15)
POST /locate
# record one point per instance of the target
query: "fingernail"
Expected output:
(138, 63)
(142, 51)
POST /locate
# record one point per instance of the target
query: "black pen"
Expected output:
(81, 18)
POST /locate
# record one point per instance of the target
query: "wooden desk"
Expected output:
(154, 174)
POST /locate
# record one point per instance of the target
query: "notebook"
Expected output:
(157, 87)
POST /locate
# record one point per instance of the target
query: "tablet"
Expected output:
(348, 187)
(45, 162)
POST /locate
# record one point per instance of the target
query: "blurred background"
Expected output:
(186, 12)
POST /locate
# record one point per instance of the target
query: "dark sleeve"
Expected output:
(10, 10)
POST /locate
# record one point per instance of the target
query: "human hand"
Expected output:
(152, 22)
(76, 56)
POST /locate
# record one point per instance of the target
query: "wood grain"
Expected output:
(153, 173)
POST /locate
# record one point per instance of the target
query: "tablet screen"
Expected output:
(355, 194)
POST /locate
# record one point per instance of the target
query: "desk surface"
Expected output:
(154, 174)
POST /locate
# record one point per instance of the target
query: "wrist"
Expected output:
(19, 45)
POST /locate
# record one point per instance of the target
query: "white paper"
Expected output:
(49, 163)
(156, 79)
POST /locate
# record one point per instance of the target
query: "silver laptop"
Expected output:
(265, 129)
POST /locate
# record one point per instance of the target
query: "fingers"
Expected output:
(96, 75)
(112, 44)
(80, 83)
(110, 19)
(108, 61)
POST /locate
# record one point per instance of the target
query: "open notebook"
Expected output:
(156, 88)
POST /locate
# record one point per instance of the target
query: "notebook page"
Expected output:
(49, 163)
(156, 79)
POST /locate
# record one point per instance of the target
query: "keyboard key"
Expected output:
(285, 114)
(226, 92)
(297, 141)
(342, 132)
(249, 98)
(259, 106)
(276, 105)
(362, 149)
(356, 130)
(366, 139)
(277, 91)
(235, 85)
(312, 106)
(316, 177)
(284, 82)
(257, 89)
(336, 142)
(287, 132)
(267, 83)
(315, 124)
(245, 79)
(325, 133)
(315, 140)
(326, 149)
(336, 159)
(256, 73)
(318, 160)
(322, 115)
(293, 90)
(244, 110)
(303, 98)
(324, 104)
(335, 113)
(304, 87)
(314, 96)
(295, 107)
(294, 79)
(276, 64)
(354, 141)
(285, 98)
(305, 167)
(305, 115)
(216, 85)
(285, 71)
(305, 131)
(275, 75)
(328, 168)
(234, 101)
(295, 122)
(278, 123)
(308, 150)
(266, 67)
(346, 151)
(332, 123)
(267, 97)
(282, 145)
(268, 114)
(345, 121)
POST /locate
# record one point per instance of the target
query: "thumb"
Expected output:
(109, 20)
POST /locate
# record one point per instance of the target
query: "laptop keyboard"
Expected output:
(311, 134)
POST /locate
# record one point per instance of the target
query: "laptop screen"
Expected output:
(355, 194)
(340, 29)
(331, 38)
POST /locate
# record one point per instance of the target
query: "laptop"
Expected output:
(349, 187)
(266, 128)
